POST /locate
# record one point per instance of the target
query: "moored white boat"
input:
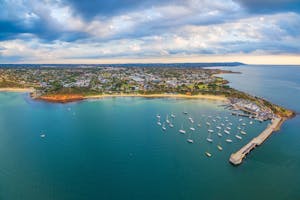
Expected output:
(220, 148)
(238, 137)
(208, 154)
(190, 141)
(209, 140)
(228, 140)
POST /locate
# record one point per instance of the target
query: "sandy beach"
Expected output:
(16, 90)
(209, 97)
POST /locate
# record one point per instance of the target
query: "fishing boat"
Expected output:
(219, 134)
(228, 128)
(244, 124)
(199, 125)
(210, 130)
(239, 128)
(207, 123)
(171, 125)
(42, 135)
(227, 132)
(222, 124)
(208, 154)
(219, 127)
(209, 139)
(159, 123)
(172, 115)
(230, 124)
(251, 122)
(220, 148)
(238, 137)
(228, 140)
(240, 120)
(214, 120)
(190, 141)
(158, 116)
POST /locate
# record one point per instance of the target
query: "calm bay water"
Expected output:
(113, 148)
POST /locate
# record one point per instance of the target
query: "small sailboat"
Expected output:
(182, 130)
(190, 141)
(228, 140)
(238, 137)
(220, 147)
(243, 132)
(209, 139)
(167, 120)
(164, 127)
(192, 129)
(208, 154)
(191, 119)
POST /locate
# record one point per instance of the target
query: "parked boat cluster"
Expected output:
(221, 126)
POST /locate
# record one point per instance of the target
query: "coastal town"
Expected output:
(112, 80)
(66, 84)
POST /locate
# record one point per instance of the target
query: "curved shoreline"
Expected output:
(179, 96)
(17, 89)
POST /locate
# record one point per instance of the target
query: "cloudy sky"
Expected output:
(119, 31)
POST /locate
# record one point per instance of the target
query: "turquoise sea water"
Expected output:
(113, 148)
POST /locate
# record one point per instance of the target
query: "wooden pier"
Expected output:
(237, 157)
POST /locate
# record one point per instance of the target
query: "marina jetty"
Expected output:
(237, 157)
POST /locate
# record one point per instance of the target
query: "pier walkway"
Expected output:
(237, 157)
